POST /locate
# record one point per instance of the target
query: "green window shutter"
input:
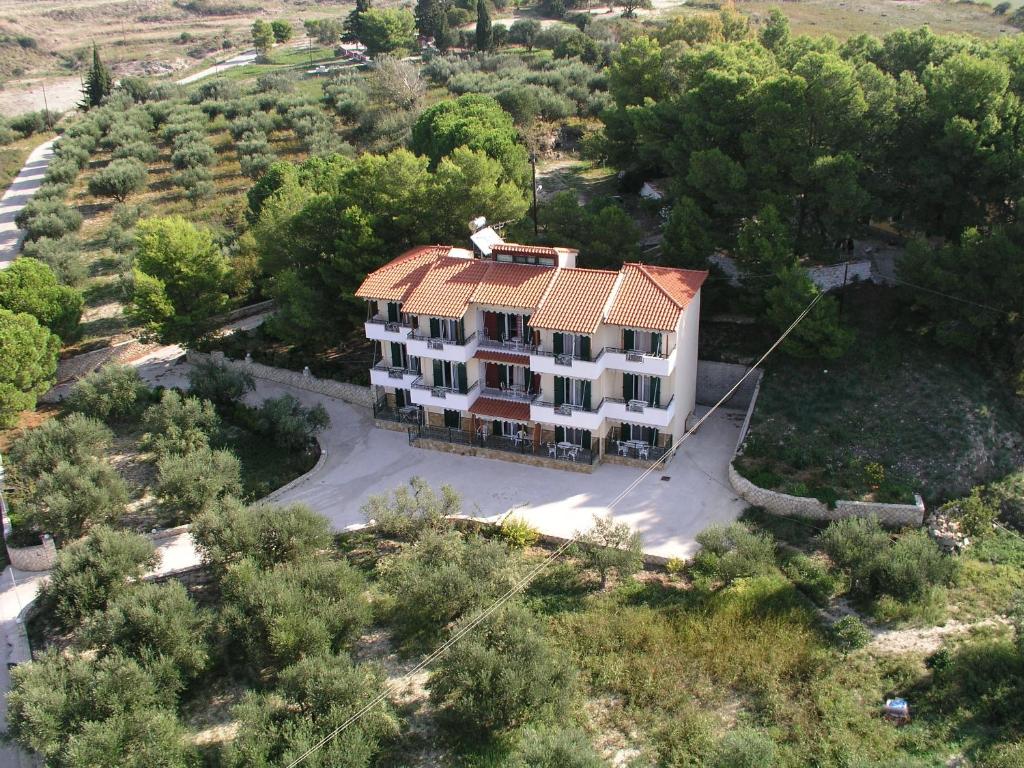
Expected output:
(586, 395)
(559, 434)
(503, 375)
(392, 312)
(655, 343)
(653, 438)
(627, 338)
(463, 381)
(559, 390)
(527, 331)
(462, 332)
(655, 392)
(627, 386)
(585, 348)
(558, 343)
(585, 439)
(396, 354)
(438, 374)
(435, 328)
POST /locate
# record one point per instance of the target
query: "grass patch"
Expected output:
(265, 467)
(14, 155)
(897, 414)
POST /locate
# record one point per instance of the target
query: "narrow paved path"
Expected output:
(24, 186)
(27, 182)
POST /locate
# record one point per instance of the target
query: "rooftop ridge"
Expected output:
(643, 270)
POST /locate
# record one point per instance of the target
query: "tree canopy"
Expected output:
(31, 287)
(28, 363)
(387, 30)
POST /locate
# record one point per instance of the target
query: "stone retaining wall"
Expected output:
(40, 557)
(350, 393)
(715, 379)
(895, 515)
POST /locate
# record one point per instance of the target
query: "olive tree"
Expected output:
(114, 393)
(191, 483)
(610, 547)
(119, 179)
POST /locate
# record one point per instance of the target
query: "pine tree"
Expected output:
(484, 32)
(429, 17)
(352, 20)
(98, 82)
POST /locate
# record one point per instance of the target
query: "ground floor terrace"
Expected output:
(504, 426)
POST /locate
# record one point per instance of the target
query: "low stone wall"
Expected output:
(715, 379)
(350, 393)
(249, 310)
(834, 276)
(895, 515)
(40, 557)
(488, 453)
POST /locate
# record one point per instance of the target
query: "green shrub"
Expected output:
(442, 577)
(218, 383)
(92, 571)
(264, 533)
(143, 151)
(1003, 755)
(733, 552)
(745, 748)
(412, 511)
(71, 498)
(976, 513)
(47, 218)
(610, 548)
(119, 179)
(189, 484)
(178, 424)
(502, 674)
(113, 394)
(75, 439)
(850, 634)
(290, 425)
(518, 533)
(31, 287)
(812, 577)
(62, 255)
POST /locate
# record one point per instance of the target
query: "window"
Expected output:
(508, 428)
(452, 419)
(447, 329)
(580, 437)
(636, 432)
(645, 388)
(572, 392)
(571, 345)
(647, 342)
(450, 375)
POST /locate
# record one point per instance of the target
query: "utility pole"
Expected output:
(533, 162)
(309, 47)
(46, 120)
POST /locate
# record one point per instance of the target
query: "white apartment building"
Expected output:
(516, 349)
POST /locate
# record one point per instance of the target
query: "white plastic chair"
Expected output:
(623, 448)
(552, 450)
(643, 451)
(572, 452)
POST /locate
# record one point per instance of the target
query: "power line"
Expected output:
(392, 688)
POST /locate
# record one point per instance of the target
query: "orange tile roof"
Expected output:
(653, 297)
(576, 301)
(513, 285)
(501, 409)
(445, 289)
(496, 356)
(396, 279)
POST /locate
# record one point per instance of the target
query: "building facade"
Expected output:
(513, 347)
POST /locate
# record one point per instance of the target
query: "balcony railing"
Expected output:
(516, 445)
(635, 355)
(442, 391)
(634, 449)
(639, 406)
(409, 414)
(395, 371)
(509, 345)
(390, 325)
(439, 343)
(510, 393)
(563, 358)
(568, 409)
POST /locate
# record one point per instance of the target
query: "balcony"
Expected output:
(380, 329)
(409, 414)
(507, 345)
(444, 397)
(566, 415)
(542, 361)
(423, 345)
(384, 375)
(514, 393)
(503, 443)
(634, 449)
(634, 361)
(638, 412)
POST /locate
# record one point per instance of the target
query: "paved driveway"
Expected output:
(362, 460)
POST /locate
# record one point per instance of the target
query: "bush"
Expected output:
(314, 606)
(47, 218)
(153, 620)
(518, 533)
(812, 577)
(191, 483)
(733, 552)
(905, 569)
(61, 171)
(31, 287)
(218, 383)
(850, 634)
(976, 513)
(73, 497)
(75, 439)
(288, 424)
(63, 256)
(193, 154)
(548, 746)
(92, 571)
(502, 674)
(143, 151)
(442, 577)
(265, 534)
(745, 748)
(119, 179)
(113, 394)
(610, 547)
(178, 424)
(411, 511)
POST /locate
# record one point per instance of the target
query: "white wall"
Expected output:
(686, 364)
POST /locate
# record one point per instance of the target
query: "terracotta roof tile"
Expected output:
(497, 356)
(396, 279)
(526, 250)
(653, 297)
(501, 409)
(576, 301)
(445, 289)
(513, 285)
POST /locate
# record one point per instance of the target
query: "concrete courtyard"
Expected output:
(669, 507)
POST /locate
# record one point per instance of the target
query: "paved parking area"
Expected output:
(669, 507)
